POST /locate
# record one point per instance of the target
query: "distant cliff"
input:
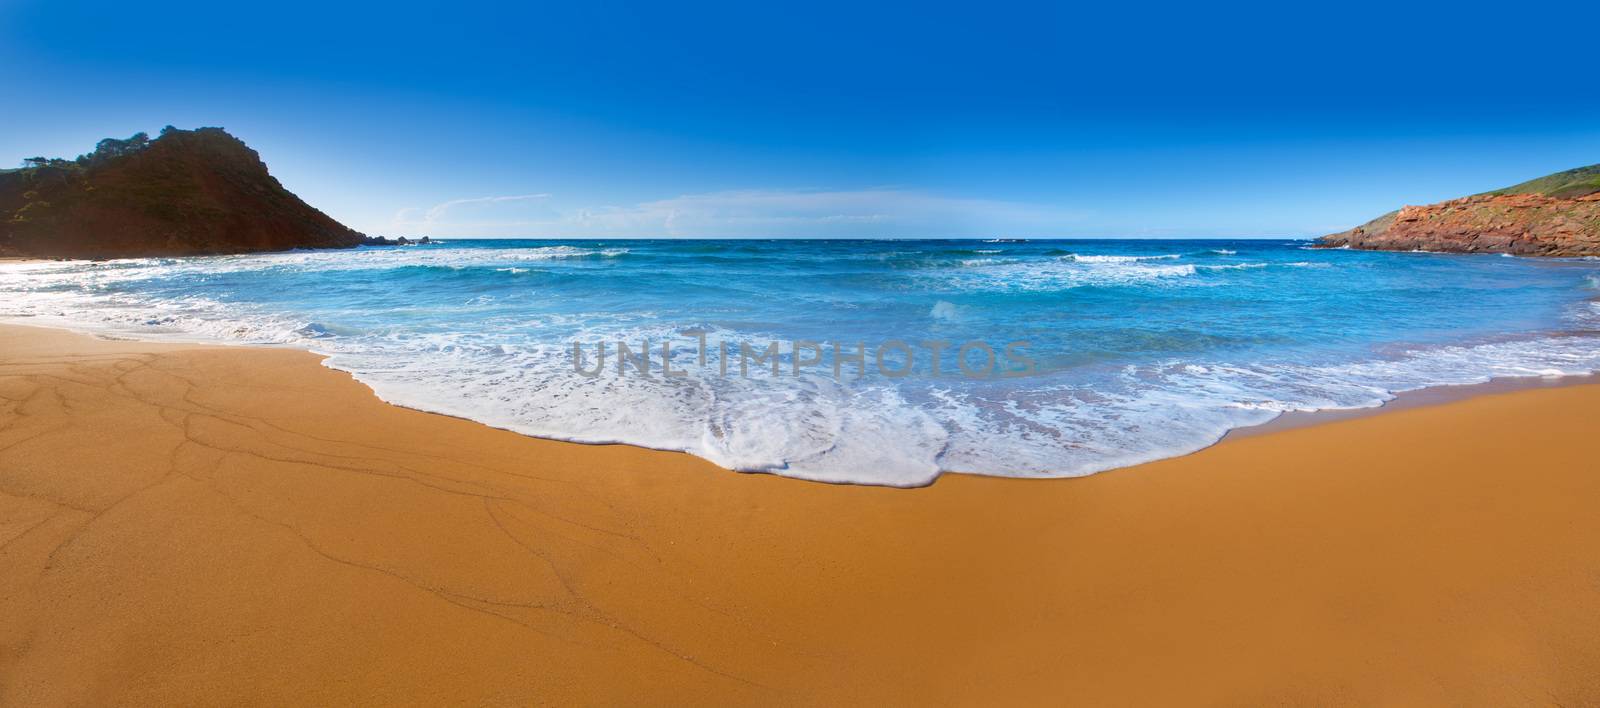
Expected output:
(187, 192)
(1557, 215)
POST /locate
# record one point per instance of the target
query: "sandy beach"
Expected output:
(188, 525)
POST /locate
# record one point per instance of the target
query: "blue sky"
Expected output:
(612, 119)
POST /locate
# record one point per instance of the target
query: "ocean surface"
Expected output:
(1120, 351)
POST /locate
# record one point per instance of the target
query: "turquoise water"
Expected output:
(1135, 350)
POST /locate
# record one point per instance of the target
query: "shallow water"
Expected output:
(1135, 350)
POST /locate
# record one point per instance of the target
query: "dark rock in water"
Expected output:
(402, 241)
(185, 193)
(1557, 215)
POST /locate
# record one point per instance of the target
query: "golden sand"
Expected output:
(188, 525)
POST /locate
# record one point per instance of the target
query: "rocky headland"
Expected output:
(1557, 215)
(184, 193)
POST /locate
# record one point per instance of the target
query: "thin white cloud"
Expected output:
(439, 213)
(439, 210)
(873, 212)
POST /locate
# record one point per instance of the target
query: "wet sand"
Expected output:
(205, 525)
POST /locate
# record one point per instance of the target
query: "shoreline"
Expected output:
(1420, 397)
(1426, 396)
(204, 524)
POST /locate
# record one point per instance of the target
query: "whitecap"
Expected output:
(809, 426)
(1117, 259)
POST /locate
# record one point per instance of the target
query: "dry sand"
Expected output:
(188, 525)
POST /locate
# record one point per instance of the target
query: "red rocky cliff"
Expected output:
(1567, 224)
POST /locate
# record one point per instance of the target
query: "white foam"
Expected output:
(810, 426)
(1255, 266)
(1118, 259)
(1052, 275)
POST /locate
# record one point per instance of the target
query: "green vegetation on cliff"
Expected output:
(1561, 185)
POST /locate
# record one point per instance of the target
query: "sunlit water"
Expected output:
(1140, 349)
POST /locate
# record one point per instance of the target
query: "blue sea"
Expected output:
(1080, 355)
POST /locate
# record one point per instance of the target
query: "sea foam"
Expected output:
(1140, 354)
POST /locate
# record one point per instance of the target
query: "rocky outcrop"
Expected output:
(1557, 215)
(185, 193)
(402, 241)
